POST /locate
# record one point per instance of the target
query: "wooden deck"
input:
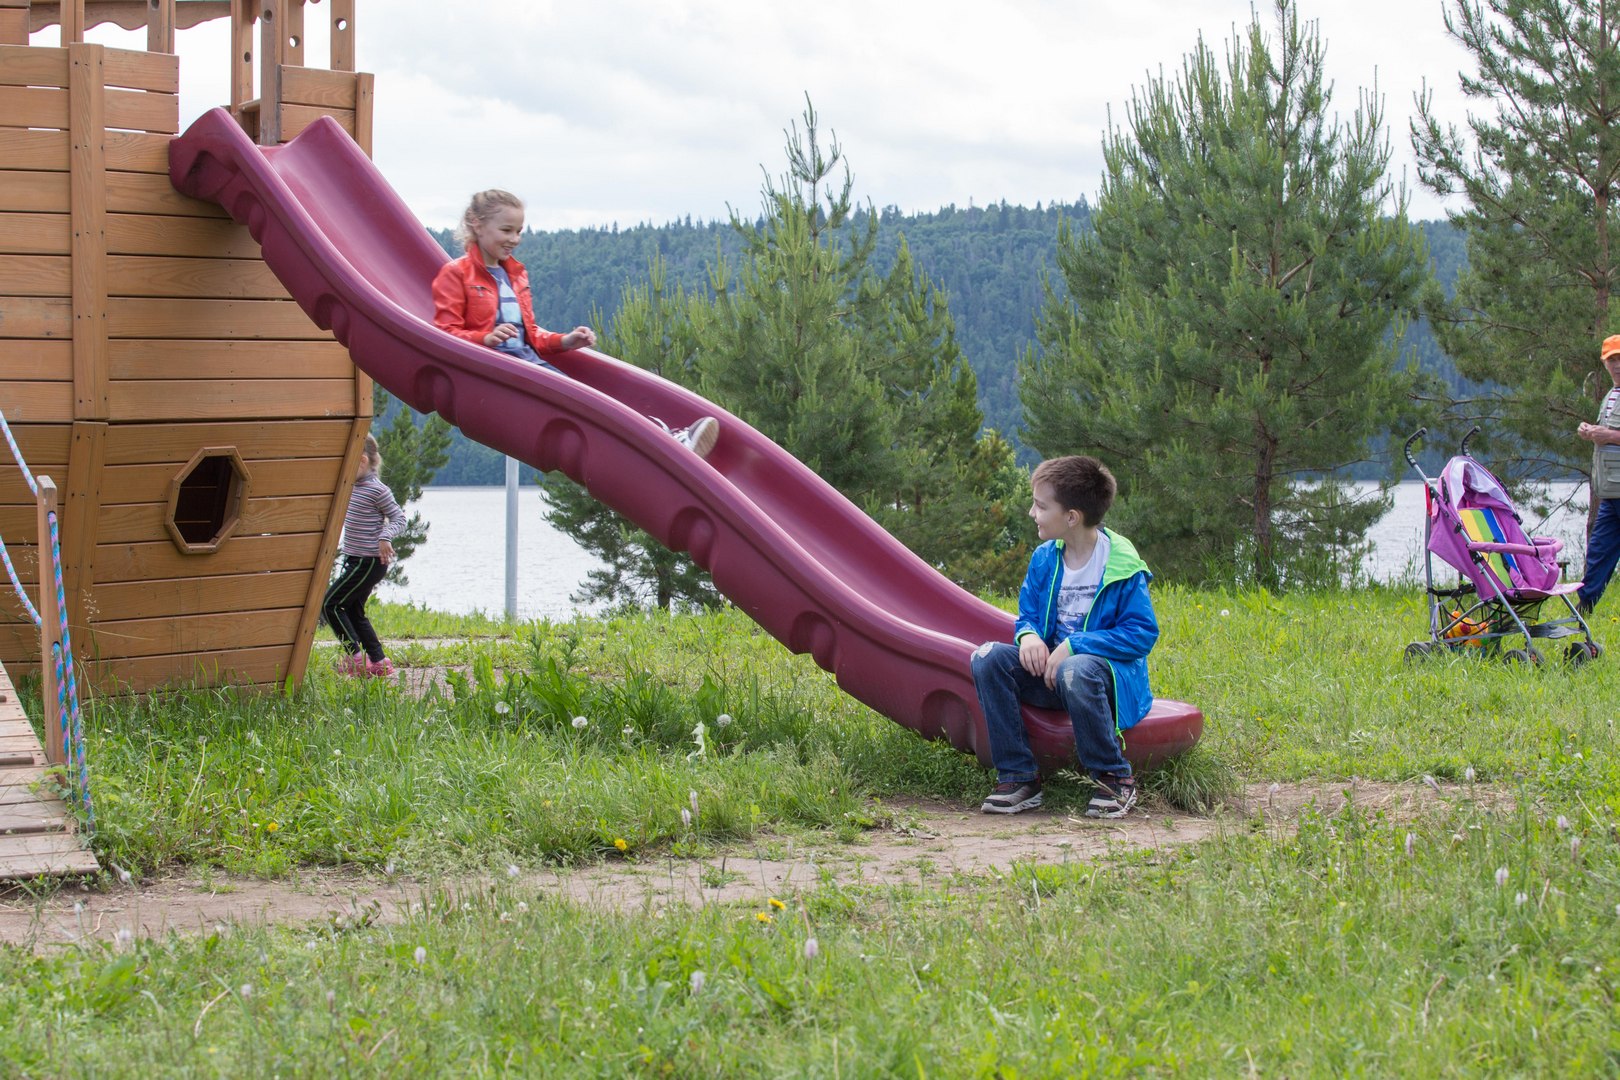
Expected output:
(38, 834)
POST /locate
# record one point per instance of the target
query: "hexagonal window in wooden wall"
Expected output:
(206, 499)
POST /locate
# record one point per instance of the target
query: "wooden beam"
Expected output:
(342, 55)
(292, 33)
(160, 26)
(87, 95)
(272, 55)
(86, 457)
(242, 15)
(72, 17)
(364, 99)
(14, 22)
(50, 626)
(304, 640)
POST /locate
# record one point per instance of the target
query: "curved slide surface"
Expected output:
(789, 550)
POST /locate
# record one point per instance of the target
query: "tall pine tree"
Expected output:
(1224, 335)
(1541, 173)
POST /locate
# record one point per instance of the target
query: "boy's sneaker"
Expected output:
(1114, 797)
(352, 665)
(380, 669)
(1013, 798)
(700, 436)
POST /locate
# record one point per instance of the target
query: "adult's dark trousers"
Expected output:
(1602, 553)
(345, 605)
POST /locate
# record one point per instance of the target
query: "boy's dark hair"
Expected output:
(1079, 483)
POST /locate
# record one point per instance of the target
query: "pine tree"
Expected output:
(651, 331)
(856, 374)
(1223, 340)
(1541, 175)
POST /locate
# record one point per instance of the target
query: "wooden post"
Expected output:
(272, 54)
(72, 15)
(14, 22)
(50, 624)
(342, 35)
(160, 26)
(87, 133)
(241, 55)
(292, 33)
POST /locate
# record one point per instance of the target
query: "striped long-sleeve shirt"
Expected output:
(373, 516)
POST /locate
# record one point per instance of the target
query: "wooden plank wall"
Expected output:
(137, 326)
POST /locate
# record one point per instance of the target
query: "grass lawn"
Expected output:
(1479, 938)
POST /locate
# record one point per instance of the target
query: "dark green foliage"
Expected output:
(1539, 167)
(1225, 340)
(413, 449)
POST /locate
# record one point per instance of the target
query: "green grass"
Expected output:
(1345, 945)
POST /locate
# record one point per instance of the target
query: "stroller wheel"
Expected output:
(1581, 651)
(1529, 657)
(1420, 650)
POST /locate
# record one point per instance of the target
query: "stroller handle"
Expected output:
(1407, 449)
(1462, 450)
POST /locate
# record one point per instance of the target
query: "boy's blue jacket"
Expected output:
(1120, 627)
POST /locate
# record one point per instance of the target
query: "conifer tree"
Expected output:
(1540, 170)
(1222, 337)
(856, 374)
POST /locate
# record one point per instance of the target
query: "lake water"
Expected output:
(462, 566)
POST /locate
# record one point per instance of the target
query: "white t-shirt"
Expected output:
(1079, 589)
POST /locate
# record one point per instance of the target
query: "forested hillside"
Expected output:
(991, 261)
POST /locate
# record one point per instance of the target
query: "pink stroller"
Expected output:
(1504, 576)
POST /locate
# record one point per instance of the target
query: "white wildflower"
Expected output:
(1501, 876)
(1433, 783)
(331, 997)
(502, 708)
(686, 817)
(421, 955)
(1468, 774)
(1225, 612)
(812, 948)
(512, 870)
(629, 730)
(1411, 844)
(1574, 846)
(523, 908)
(247, 991)
(1562, 822)
(1519, 899)
(696, 982)
(123, 937)
(580, 722)
(691, 797)
(723, 720)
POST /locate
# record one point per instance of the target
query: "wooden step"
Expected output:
(38, 832)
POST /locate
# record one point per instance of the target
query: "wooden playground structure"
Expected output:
(201, 432)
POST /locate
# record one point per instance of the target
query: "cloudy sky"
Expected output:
(624, 111)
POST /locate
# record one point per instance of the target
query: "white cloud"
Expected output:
(628, 111)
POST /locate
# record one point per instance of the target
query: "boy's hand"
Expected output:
(1059, 654)
(580, 337)
(1032, 654)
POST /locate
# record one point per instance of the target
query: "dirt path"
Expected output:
(926, 843)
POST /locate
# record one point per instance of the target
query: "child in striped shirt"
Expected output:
(372, 521)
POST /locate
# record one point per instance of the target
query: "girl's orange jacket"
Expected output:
(466, 300)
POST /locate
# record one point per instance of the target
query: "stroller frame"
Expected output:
(1485, 621)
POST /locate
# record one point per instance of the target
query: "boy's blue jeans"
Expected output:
(1085, 690)
(1602, 552)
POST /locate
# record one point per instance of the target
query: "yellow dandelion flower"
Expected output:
(621, 845)
(764, 916)
(271, 826)
(777, 904)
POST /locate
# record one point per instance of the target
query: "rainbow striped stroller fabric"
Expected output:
(1504, 576)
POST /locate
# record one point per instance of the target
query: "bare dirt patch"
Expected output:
(923, 843)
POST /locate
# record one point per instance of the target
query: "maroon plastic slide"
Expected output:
(802, 561)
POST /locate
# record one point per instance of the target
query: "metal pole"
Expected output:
(511, 537)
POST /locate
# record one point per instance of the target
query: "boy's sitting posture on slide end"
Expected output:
(1085, 627)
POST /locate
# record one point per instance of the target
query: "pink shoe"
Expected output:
(380, 669)
(352, 665)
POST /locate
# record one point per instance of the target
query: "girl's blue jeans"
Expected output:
(1085, 690)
